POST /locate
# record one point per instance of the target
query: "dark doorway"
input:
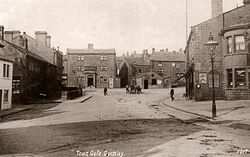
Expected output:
(145, 84)
(90, 81)
(0, 99)
(124, 75)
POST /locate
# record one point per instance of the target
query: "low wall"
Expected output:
(237, 94)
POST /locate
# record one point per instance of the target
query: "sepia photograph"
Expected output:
(124, 78)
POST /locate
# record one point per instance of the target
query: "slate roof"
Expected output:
(5, 59)
(88, 51)
(28, 52)
(170, 57)
(138, 61)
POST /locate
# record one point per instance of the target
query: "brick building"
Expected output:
(91, 67)
(232, 72)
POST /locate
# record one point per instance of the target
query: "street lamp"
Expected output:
(211, 45)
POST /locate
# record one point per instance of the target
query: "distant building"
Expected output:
(170, 66)
(6, 71)
(91, 67)
(130, 67)
(232, 56)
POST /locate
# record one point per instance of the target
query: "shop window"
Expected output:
(239, 43)
(6, 96)
(154, 82)
(229, 78)
(240, 77)
(229, 44)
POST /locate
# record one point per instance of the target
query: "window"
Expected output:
(105, 79)
(239, 43)
(178, 65)
(154, 82)
(240, 78)
(140, 71)
(82, 68)
(103, 58)
(173, 64)
(101, 78)
(159, 65)
(80, 58)
(78, 68)
(229, 78)
(6, 70)
(103, 68)
(229, 44)
(6, 96)
(80, 79)
(161, 70)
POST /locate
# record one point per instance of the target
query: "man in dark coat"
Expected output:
(172, 94)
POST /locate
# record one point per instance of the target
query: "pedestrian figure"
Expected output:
(105, 91)
(172, 94)
(127, 89)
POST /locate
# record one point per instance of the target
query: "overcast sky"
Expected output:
(126, 25)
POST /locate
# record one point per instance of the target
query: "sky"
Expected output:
(126, 25)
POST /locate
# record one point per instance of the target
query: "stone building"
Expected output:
(91, 67)
(231, 67)
(6, 72)
(33, 76)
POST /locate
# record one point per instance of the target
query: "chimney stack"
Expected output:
(217, 8)
(25, 41)
(8, 35)
(1, 32)
(48, 39)
(41, 38)
(153, 50)
(166, 49)
(246, 2)
(16, 33)
(90, 46)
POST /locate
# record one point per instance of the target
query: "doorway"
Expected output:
(90, 81)
(145, 84)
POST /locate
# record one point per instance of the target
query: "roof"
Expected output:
(148, 74)
(90, 51)
(28, 52)
(138, 61)
(168, 57)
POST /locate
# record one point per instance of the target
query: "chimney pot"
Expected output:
(90, 46)
(153, 50)
(1, 32)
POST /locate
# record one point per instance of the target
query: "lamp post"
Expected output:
(211, 45)
(134, 69)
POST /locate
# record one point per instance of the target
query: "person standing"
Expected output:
(172, 94)
(105, 91)
(127, 89)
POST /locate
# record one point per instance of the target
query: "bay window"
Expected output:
(229, 78)
(240, 77)
(239, 43)
(229, 45)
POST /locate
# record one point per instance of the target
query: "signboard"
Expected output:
(216, 80)
(202, 78)
(16, 85)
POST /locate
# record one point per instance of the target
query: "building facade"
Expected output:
(170, 66)
(91, 67)
(232, 61)
(6, 71)
(33, 76)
